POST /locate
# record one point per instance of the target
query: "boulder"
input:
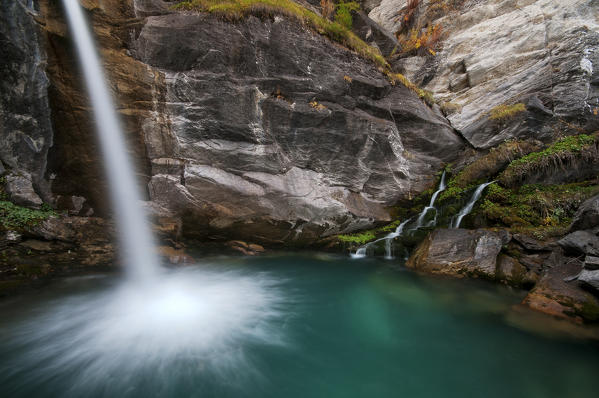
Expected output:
(554, 295)
(20, 190)
(511, 271)
(587, 215)
(462, 252)
(580, 242)
(590, 277)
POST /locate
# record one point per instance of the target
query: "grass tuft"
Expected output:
(578, 147)
(506, 112)
(338, 31)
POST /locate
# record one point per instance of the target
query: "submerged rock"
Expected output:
(556, 296)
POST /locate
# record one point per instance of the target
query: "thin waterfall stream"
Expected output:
(362, 251)
(470, 205)
(135, 236)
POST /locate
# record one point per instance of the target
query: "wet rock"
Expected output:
(554, 296)
(587, 215)
(580, 242)
(461, 252)
(175, 255)
(20, 190)
(513, 272)
(250, 249)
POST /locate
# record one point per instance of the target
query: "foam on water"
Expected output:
(198, 317)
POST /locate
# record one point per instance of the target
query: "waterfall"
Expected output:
(362, 251)
(431, 205)
(389, 239)
(135, 237)
(468, 208)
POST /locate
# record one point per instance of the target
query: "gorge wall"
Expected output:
(256, 129)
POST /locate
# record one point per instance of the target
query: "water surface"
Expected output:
(283, 326)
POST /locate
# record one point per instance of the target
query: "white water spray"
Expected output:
(134, 233)
(468, 208)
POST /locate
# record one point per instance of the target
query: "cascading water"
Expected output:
(431, 205)
(134, 233)
(362, 252)
(468, 208)
(389, 239)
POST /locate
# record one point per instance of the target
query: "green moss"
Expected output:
(588, 309)
(338, 30)
(17, 217)
(363, 237)
(538, 209)
(569, 148)
(343, 16)
(359, 238)
(504, 112)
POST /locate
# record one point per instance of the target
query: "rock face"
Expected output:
(462, 252)
(259, 130)
(26, 131)
(501, 52)
(277, 133)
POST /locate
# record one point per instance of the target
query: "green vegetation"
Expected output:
(359, 238)
(337, 30)
(344, 10)
(17, 217)
(363, 237)
(493, 162)
(578, 147)
(505, 112)
(537, 209)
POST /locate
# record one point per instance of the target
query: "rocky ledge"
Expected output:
(562, 275)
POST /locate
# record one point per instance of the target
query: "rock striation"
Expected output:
(539, 53)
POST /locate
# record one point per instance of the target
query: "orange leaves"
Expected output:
(426, 40)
